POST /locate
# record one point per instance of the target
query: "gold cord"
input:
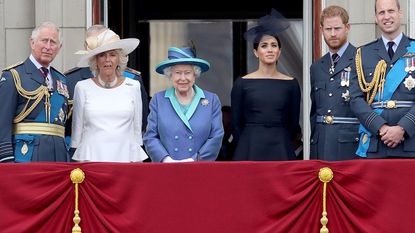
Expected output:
(325, 175)
(378, 81)
(77, 177)
(36, 95)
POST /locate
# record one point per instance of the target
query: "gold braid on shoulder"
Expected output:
(36, 95)
(378, 81)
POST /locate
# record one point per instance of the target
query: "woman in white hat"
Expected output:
(185, 122)
(107, 109)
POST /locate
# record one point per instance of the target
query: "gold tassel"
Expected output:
(325, 175)
(77, 177)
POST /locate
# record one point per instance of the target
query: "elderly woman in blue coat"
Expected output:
(185, 122)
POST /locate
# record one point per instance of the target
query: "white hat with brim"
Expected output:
(178, 56)
(106, 41)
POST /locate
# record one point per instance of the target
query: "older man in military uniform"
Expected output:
(80, 73)
(334, 127)
(383, 90)
(34, 103)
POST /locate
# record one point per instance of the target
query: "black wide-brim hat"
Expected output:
(271, 24)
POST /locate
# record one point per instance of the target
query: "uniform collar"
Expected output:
(36, 63)
(342, 49)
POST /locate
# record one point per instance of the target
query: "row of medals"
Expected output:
(409, 68)
(344, 80)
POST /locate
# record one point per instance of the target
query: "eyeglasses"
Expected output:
(180, 73)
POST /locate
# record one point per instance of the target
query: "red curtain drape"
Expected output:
(373, 196)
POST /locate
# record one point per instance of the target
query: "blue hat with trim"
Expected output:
(179, 56)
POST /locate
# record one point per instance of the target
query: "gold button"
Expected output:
(328, 120)
(391, 104)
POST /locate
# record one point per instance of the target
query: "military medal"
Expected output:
(331, 70)
(409, 82)
(346, 95)
(407, 66)
(24, 149)
(345, 78)
(62, 89)
(412, 68)
(61, 115)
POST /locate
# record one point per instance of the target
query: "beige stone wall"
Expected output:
(21, 16)
(362, 19)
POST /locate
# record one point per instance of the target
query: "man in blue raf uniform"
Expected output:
(334, 127)
(383, 90)
(80, 73)
(34, 103)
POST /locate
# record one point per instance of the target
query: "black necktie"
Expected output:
(335, 58)
(390, 49)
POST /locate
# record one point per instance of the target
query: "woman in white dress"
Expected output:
(107, 108)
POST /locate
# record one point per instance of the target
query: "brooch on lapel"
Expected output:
(2, 79)
(205, 102)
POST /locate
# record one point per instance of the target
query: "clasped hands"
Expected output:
(391, 136)
(169, 159)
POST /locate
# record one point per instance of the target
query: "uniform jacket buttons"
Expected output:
(176, 149)
(190, 137)
(176, 137)
(357, 139)
(190, 149)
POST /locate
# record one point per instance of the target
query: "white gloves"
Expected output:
(169, 159)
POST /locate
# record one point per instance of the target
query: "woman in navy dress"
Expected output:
(266, 102)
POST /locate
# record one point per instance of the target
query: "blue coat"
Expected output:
(329, 97)
(40, 147)
(198, 135)
(405, 117)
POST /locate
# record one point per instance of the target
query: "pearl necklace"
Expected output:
(107, 85)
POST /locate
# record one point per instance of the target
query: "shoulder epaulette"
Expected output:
(57, 71)
(14, 65)
(372, 42)
(71, 70)
(136, 72)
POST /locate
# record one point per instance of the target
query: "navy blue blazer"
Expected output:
(197, 135)
(329, 96)
(405, 117)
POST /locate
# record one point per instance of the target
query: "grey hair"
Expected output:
(96, 28)
(121, 67)
(167, 71)
(47, 24)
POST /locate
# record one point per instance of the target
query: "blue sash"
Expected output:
(56, 102)
(392, 82)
